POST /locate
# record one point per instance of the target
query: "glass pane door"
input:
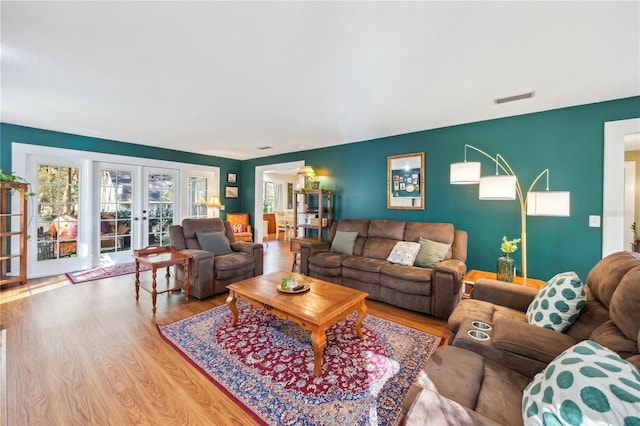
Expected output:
(160, 205)
(116, 205)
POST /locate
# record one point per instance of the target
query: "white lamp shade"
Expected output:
(499, 187)
(465, 173)
(548, 203)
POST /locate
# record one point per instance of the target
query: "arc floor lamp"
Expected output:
(507, 187)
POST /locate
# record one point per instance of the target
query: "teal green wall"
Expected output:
(11, 133)
(568, 141)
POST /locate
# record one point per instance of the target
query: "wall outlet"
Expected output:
(594, 221)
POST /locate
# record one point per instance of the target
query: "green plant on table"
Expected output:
(509, 246)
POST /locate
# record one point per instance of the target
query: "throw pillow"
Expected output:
(558, 303)
(215, 242)
(239, 228)
(431, 252)
(585, 385)
(404, 253)
(343, 242)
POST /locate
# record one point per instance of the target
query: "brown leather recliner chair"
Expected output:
(472, 382)
(210, 274)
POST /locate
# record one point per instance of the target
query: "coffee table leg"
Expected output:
(231, 303)
(362, 312)
(318, 341)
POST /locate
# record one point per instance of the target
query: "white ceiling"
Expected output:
(224, 78)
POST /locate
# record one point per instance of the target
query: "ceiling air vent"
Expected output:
(264, 147)
(514, 98)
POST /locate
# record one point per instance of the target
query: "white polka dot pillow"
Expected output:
(404, 253)
(558, 303)
(585, 385)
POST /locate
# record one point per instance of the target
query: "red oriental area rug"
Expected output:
(103, 272)
(266, 365)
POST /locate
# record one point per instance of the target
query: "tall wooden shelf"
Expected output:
(312, 210)
(13, 192)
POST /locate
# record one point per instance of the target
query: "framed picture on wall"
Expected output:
(231, 191)
(231, 178)
(405, 181)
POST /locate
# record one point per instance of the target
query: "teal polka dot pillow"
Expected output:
(558, 303)
(585, 385)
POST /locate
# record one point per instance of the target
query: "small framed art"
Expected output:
(231, 178)
(231, 191)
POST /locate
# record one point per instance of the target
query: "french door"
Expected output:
(96, 213)
(136, 206)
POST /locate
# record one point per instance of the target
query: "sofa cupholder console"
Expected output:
(476, 336)
(481, 325)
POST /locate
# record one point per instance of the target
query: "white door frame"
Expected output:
(259, 184)
(613, 184)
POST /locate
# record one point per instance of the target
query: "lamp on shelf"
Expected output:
(214, 203)
(507, 187)
(310, 178)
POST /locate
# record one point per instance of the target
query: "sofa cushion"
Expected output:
(215, 242)
(586, 384)
(230, 266)
(388, 229)
(430, 253)
(378, 248)
(343, 242)
(406, 279)
(558, 303)
(365, 264)
(404, 253)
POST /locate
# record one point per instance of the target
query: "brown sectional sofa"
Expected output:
(433, 291)
(482, 382)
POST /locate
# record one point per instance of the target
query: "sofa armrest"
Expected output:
(530, 341)
(445, 285)
(201, 260)
(308, 248)
(254, 249)
(504, 294)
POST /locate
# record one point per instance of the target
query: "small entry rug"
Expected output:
(103, 272)
(266, 365)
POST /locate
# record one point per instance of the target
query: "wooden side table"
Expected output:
(474, 275)
(159, 257)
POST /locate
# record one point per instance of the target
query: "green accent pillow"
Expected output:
(585, 385)
(215, 242)
(558, 303)
(343, 242)
(404, 253)
(430, 253)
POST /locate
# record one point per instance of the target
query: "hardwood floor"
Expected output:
(88, 354)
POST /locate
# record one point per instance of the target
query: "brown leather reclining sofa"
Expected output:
(433, 291)
(210, 274)
(482, 382)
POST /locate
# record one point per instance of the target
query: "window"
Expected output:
(269, 196)
(197, 197)
(58, 194)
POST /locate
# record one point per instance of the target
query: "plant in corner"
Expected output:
(505, 263)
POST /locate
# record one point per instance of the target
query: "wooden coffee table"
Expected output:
(317, 309)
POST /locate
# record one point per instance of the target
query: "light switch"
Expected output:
(594, 221)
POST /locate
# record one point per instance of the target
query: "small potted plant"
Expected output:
(505, 263)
